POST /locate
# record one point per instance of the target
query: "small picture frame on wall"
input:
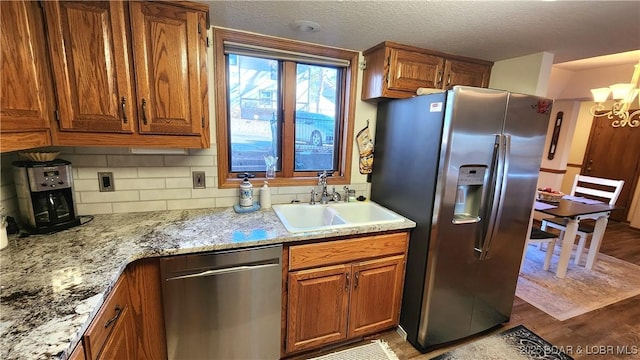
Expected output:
(554, 138)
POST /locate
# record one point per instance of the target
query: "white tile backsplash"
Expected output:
(94, 209)
(135, 160)
(92, 172)
(149, 182)
(139, 184)
(108, 197)
(164, 172)
(165, 194)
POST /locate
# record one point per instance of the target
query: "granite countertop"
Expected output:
(52, 286)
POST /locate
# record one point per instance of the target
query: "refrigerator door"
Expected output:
(472, 139)
(524, 133)
(407, 151)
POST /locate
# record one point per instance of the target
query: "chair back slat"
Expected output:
(581, 183)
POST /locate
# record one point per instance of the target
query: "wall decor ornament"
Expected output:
(365, 148)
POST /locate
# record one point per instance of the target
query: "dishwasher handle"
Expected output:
(223, 271)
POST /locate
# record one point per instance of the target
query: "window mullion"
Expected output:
(289, 107)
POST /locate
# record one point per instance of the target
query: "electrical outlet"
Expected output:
(198, 180)
(105, 181)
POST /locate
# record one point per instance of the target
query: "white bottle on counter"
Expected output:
(265, 196)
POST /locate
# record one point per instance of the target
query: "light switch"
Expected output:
(105, 181)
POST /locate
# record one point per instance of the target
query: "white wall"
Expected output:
(565, 84)
(526, 74)
(562, 154)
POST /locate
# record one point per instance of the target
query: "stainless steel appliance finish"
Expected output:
(223, 305)
(45, 195)
(463, 165)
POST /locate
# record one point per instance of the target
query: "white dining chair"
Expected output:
(538, 236)
(588, 187)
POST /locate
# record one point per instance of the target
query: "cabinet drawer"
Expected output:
(107, 318)
(342, 251)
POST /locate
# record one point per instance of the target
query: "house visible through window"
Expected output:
(283, 100)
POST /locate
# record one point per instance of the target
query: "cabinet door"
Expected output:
(376, 295)
(121, 344)
(108, 320)
(410, 70)
(145, 293)
(318, 300)
(169, 57)
(465, 73)
(78, 353)
(25, 104)
(90, 58)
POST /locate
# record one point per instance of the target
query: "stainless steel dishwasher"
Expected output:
(223, 305)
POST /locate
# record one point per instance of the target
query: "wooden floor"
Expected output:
(597, 334)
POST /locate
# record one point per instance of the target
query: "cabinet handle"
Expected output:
(355, 281)
(439, 78)
(115, 317)
(448, 79)
(346, 283)
(144, 111)
(124, 112)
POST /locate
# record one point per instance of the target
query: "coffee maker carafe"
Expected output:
(45, 195)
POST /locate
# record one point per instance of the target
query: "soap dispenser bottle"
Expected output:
(246, 193)
(265, 196)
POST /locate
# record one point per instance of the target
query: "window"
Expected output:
(285, 100)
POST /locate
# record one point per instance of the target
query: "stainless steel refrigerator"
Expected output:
(463, 164)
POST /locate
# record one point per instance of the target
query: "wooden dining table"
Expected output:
(574, 212)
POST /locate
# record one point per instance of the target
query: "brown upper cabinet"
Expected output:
(397, 71)
(170, 62)
(88, 42)
(129, 73)
(27, 98)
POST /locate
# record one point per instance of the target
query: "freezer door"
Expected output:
(474, 122)
(525, 129)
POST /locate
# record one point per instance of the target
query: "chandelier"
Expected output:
(623, 95)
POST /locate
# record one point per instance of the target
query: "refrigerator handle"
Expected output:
(493, 210)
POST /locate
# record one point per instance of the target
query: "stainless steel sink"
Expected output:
(305, 217)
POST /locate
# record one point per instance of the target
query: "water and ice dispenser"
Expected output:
(471, 181)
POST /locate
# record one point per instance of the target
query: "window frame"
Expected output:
(344, 135)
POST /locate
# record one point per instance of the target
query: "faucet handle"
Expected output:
(314, 193)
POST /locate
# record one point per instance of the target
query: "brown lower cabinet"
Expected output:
(343, 289)
(128, 327)
(336, 290)
(78, 353)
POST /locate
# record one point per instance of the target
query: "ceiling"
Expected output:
(488, 30)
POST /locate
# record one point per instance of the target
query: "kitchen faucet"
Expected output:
(325, 197)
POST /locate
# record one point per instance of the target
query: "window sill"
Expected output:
(299, 181)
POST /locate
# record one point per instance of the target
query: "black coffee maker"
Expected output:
(45, 195)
